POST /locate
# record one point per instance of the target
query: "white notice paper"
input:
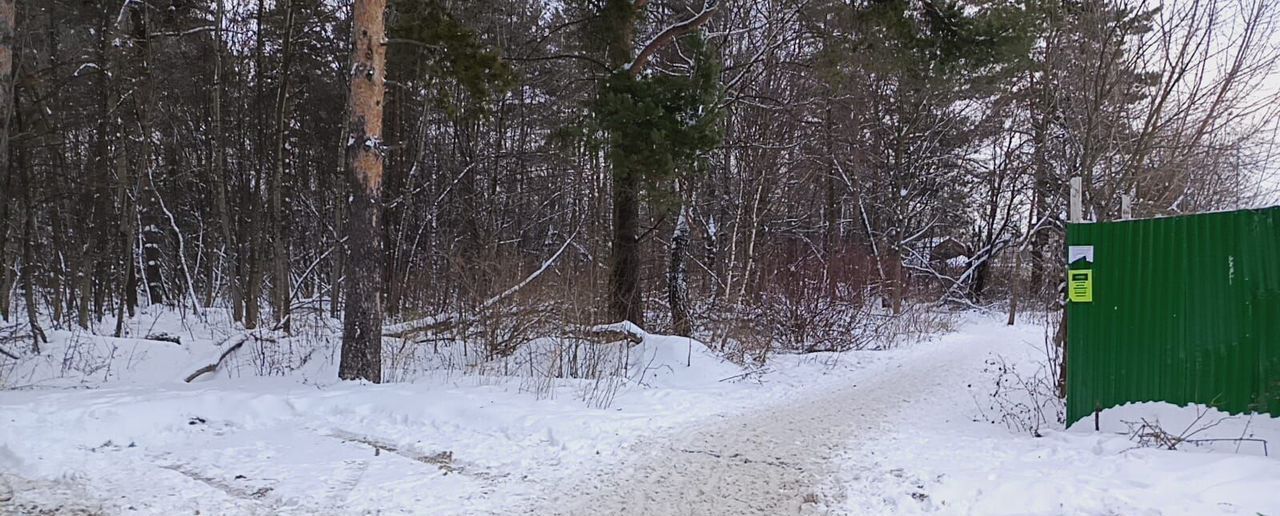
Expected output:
(1079, 252)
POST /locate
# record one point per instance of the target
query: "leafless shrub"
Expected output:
(915, 323)
(533, 336)
(806, 302)
(742, 339)
(811, 303)
(1020, 401)
(12, 337)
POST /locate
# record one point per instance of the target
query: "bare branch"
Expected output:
(670, 34)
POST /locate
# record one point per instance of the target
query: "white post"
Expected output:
(1126, 207)
(1077, 200)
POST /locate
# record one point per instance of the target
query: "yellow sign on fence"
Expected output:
(1080, 286)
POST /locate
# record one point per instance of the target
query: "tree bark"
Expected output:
(28, 244)
(28, 275)
(148, 212)
(625, 297)
(280, 283)
(362, 324)
(626, 302)
(226, 260)
(8, 24)
(678, 277)
(1015, 286)
(254, 253)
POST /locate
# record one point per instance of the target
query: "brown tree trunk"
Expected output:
(625, 297)
(127, 227)
(625, 301)
(362, 324)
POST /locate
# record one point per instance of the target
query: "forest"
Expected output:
(768, 176)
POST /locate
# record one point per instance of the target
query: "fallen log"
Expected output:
(625, 330)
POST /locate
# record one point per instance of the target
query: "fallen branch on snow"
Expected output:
(236, 342)
(625, 330)
(446, 321)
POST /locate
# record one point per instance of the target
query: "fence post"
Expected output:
(1077, 200)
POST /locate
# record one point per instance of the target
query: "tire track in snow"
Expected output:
(782, 459)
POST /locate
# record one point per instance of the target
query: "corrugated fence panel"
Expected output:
(1185, 309)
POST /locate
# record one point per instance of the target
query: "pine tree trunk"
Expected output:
(625, 297)
(626, 303)
(362, 324)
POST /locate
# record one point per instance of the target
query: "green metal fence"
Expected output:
(1181, 309)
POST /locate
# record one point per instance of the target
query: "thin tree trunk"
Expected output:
(280, 283)
(28, 244)
(8, 24)
(832, 212)
(226, 260)
(898, 280)
(254, 253)
(148, 196)
(28, 277)
(57, 265)
(1040, 192)
(1015, 284)
(362, 324)
(678, 277)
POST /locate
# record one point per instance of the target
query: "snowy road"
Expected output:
(903, 431)
(780, 460)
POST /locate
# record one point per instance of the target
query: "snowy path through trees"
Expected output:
(900, 431)
(784, 459)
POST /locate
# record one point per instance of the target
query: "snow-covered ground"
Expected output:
(905, 430)
(943, 455)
